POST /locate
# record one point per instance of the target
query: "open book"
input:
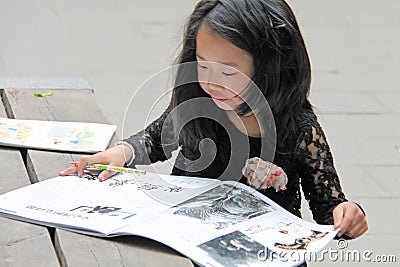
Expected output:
(56, 135)
(215, 223)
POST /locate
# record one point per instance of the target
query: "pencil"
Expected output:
(104, 167)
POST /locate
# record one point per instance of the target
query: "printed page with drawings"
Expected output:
(212, 222)
(56, 135)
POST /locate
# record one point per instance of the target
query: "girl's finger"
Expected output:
(86, 160)
(104, 175)
(68, 171)
(357, 230)
(250, 178)
(338, 216)
(264, 184)
(256, 182)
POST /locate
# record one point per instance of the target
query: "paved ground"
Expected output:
(116, 45)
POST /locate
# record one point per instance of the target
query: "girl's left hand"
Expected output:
(350, 218)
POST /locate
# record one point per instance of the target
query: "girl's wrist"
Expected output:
(128, 150)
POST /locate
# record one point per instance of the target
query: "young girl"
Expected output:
(229, 40)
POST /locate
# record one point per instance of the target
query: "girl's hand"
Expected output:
(350, 218)
(262, 174)
(114, 156)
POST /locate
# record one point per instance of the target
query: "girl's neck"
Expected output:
(246, 124)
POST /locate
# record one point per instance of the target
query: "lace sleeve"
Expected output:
(156, 142)
(319, 180)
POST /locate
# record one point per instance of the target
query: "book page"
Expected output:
(234, 225)
(214, 223)
(87, 205)
(56, 135)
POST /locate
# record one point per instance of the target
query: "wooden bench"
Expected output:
(24, 244)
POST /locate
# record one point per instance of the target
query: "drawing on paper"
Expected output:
(223, 206)
(62, 136)
(235, 249)
(287, 226)
(71, 136)
(104, 210)
(150, 186)
(146, 186)
(76, 137)
(301, 243)
(15, 133)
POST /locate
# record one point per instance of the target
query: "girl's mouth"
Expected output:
(219, 99)
(223, 99)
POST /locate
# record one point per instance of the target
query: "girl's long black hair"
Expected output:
(268, 31)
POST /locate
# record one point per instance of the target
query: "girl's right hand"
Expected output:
(115, 156)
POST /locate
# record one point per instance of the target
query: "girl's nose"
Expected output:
(213, 81)
(214, 86)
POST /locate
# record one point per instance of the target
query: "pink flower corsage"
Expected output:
(263, 174)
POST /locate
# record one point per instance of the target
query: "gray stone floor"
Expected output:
(354, 46)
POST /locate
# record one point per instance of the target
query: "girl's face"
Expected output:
(224, 70)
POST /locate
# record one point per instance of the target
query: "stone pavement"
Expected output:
(354, 48)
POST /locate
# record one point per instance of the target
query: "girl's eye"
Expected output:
(202, 66)
(229, 74)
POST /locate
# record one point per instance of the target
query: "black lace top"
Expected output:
(305, 157)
